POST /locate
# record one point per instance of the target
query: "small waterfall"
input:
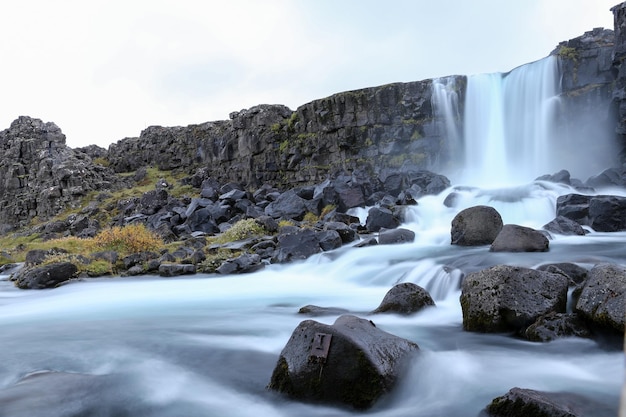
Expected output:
(446, 109)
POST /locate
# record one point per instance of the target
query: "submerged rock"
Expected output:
(351, 362)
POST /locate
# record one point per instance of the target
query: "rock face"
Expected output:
(476, 226)
(603, 297)
(603, 213)
(351, 362)
(40, 176)
(506, 298)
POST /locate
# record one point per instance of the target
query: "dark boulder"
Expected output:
(351, 362)
(507, 298)
(610, 177)
(574, 207)
(297, 245)
(379, 218)
(474, 226)
(48, 276)
(346, 234)
(289, 205)
(519, 402)
(172, 270)
(603, 297)
(563, 177)
(329, 240)
(243, 264)
(575, 273)
(202, 221)
(553, 326)
(405, 298)
(514, 238)
(607, 213)
(389, 237)
(563, 226)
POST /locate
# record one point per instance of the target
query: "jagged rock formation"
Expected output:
(40, 176)
(371, 129)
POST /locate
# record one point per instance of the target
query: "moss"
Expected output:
(276, 127)
(292, 121)
(568, 52)
(243, 229)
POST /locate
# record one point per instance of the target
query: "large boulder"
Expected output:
(519, 402)
(381, 218)
(603, 297)
(289, 205)
(607, 213)
(390, 237)
(47, 276)
(297, 245)
(556, 325)
(474, 226)
(509, 298)
(405, 298)
(514, 238)
(351, 362)
(574, 207)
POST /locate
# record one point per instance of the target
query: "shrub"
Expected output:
(134, 238)
(243, 229)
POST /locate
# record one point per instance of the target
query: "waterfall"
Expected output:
(509, 120)
(510, 124)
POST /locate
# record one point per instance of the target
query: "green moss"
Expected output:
(276, 127)
(243, 229)
(568, 52)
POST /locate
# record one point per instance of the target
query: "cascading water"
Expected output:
(510, 125)
(207, 345)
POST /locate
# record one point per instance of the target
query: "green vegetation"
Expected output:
(568, 53)
(243, 229)
(134, 238)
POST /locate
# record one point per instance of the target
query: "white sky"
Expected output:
(105, 70)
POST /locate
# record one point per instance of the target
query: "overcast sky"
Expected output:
(105, 70)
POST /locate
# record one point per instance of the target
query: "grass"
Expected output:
(243, 229)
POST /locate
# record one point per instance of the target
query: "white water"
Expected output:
(207, 345)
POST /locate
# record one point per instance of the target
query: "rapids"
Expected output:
(207, 345)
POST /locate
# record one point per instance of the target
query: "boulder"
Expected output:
(351, 362)
(607, 213)
(508, 298)
(346, 234)
(602, 300)
(172, 270)
(289, 205)
(574, 207)
(379, 218)
(297, 245)
(519, 402)
(557, 325)
(388, 237)
(329, 240)
(243, 264)
(47, 276)
(575, 273)
(474, 226)
(563, 226)
(514, 238)
(405, 298)
(563, 177)
(314, 311)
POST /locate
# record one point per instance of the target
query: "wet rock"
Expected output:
(405, 298)
(553, 326)
(562, 177)
(475, 226)
(379, 218)
(48, 276)
(243, 264)
(329, 240)
(563, 226)
(575, 273)
(172, 270)
(607, 213)
(372, 241)
(362, 362)
(507, 298)
(289, 205)
(346, 234)
(603, 297)
(297, 245)
(389, 237)
(574, 207)
(519, 402)
(514, 238)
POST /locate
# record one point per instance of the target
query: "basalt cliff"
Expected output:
(372, 132)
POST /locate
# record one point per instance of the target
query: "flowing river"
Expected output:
(207, 345)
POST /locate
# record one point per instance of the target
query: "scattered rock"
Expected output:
(563, 226)
(172, 270)
(388, 237)
(553, 326)
(48, 276)
(315, 311)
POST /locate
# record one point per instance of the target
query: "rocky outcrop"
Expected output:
(40, 176)
(351, 362)
(619, 67)
(603, 213)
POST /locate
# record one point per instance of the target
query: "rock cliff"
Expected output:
(40, 176)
